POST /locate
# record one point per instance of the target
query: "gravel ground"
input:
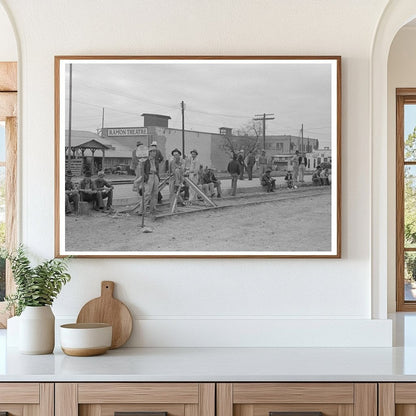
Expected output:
(294, 224)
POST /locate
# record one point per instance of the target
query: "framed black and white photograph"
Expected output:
(198, 156)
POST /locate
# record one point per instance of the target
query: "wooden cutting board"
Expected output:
(107, 309)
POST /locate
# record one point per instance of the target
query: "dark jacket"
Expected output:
(147, 169)
(209, 177)
(233, 167)
(303, 159)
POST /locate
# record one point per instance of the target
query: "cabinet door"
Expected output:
(297, 399)
(141, 399)
(26, 399)
(397, 399)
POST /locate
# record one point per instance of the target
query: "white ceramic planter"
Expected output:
(12, 334)
(37, 330)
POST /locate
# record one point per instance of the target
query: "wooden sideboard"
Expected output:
(208, 399)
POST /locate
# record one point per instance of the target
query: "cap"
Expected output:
(193, 151)
(139, 143)
(154, 143)
(268, 170)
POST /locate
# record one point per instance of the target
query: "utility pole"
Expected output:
(263, 117)
(102, 123)
(302, 149)
(183, 128)
(70, 118)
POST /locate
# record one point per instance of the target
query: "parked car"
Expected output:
(122, 170)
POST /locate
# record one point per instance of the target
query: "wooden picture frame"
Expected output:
(185, 102)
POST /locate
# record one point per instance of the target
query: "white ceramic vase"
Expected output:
(37, 330)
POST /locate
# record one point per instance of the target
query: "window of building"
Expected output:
(406, 199)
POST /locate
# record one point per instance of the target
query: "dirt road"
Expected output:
(293, 224)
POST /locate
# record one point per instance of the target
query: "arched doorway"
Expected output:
(396, 15)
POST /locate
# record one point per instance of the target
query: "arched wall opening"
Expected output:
(384, 81)
(401, 74)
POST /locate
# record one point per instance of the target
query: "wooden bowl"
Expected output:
(84, 340)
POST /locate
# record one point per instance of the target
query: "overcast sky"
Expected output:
(215, 95)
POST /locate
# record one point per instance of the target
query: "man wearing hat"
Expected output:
(210, 183)
(267, 181)
(262, 162)
(176, 170)
(192, 172)
(151, 180)
(159, 156)
(233, 169)
(295, 165)
(104, 190)
(135, 160)
(71, 194)
(251, 161)
(242, 163)
(88, 190)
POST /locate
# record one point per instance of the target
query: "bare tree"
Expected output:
(245, 138)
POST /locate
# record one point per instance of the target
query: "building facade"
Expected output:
(214, 149)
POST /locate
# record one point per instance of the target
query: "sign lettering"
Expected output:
(133, 131)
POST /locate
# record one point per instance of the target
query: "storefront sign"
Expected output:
(132, 131)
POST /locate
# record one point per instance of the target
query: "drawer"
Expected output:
(397, 399)
(297, 399)
(144, 399)
(21, 399)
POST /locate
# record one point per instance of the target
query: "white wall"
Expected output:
(203, 302)
(401, 74)
(8, 46)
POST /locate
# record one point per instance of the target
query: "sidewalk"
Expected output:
(124, 195)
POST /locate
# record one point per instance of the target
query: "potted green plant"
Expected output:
(36, 289)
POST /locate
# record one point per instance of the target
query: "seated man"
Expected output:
(104, 190)
(207, 182)
(71, 194)
(267, 181)
(88, 190)
(215, 181)
(210, 183)
(325, 177)
(316, 177)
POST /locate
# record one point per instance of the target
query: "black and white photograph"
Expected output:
(198, 156)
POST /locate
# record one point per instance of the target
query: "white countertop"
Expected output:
(222, 364)
(215, 364)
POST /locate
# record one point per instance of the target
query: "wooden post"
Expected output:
(143, 199)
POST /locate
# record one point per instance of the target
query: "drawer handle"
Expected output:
(139, 414)
(295, 413)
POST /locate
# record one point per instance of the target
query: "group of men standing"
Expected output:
(239, 163)
(180, 190)
(248, 163)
